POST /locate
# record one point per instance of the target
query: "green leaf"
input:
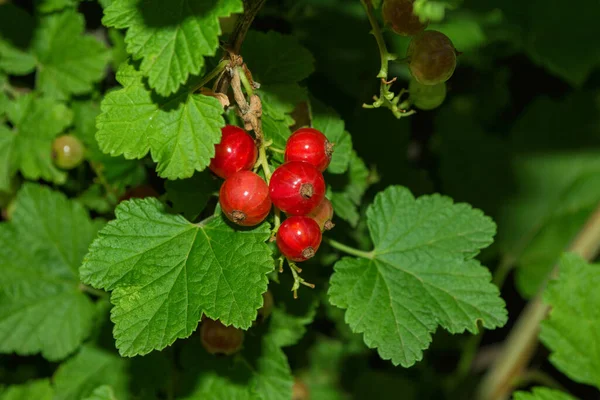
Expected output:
(543, 393)
(322, 376)
(326, 120)
(164, 272)
(48, 6)
(180, 131)
(274, 58)
(42, 247)
(69, 62)
(81, 375)
(572, 330)
(563, 52)
(118, 171)
(421, 274)
(16, 27)
(103, 392)
(38, 390)
(347, 195)
(259, 372)
(557, 193)
(434, 10)
(171, 39)
(28, 146)
(190, 196)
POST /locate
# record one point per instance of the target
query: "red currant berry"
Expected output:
(296, 188)
(323, 215)
(399, 15)
(299, 238)
(236, 152)
(244, 198)
(220, 339)
(311, 146)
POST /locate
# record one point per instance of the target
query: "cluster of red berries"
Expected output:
(297, 188)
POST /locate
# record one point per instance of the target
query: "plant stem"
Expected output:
(251, 8)
(245, 82)
(386, 57)
(92, 291)
(211, 75)
(522, 341)
(264, 163)
(349, 250)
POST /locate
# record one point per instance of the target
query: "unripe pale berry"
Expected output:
(399, 15)
(296, 188)
(236, 152)
(67, 152)
(244, 198)
(311, 146)
(323, 215)
(300, 390)
(220, 339)
(265, 311)
(432, 58)
(299, 238)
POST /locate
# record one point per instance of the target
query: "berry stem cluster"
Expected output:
(386, 97)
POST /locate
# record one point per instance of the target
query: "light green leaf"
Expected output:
(572, 331)
(329, 122)
(171, 39)
(88, 369)
(164, 272)
(322, 376)
(434, 10)
(69, 62)
(180, 131)
(41, 248)
(276, 130)
(103, 392)
(38, 390)
(420, 275)
(274, 58)
(16, 27)
(543, 393)
(28, 146)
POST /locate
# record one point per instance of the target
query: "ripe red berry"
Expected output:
(220, 339)
(311, 146)
(323, 214)
(236, 152)
(296, 188)
(299, 238)
(399, 15)
(244, 198)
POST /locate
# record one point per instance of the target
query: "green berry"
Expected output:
(426, 97)
(67, 152)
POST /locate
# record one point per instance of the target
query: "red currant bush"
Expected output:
(323, 215)
(398, 15)
(296, 188)
(299, 238)
(220, 339)
(67, 152)
(432, 58)
(236, 152)
(244, 198)
(311, 146)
